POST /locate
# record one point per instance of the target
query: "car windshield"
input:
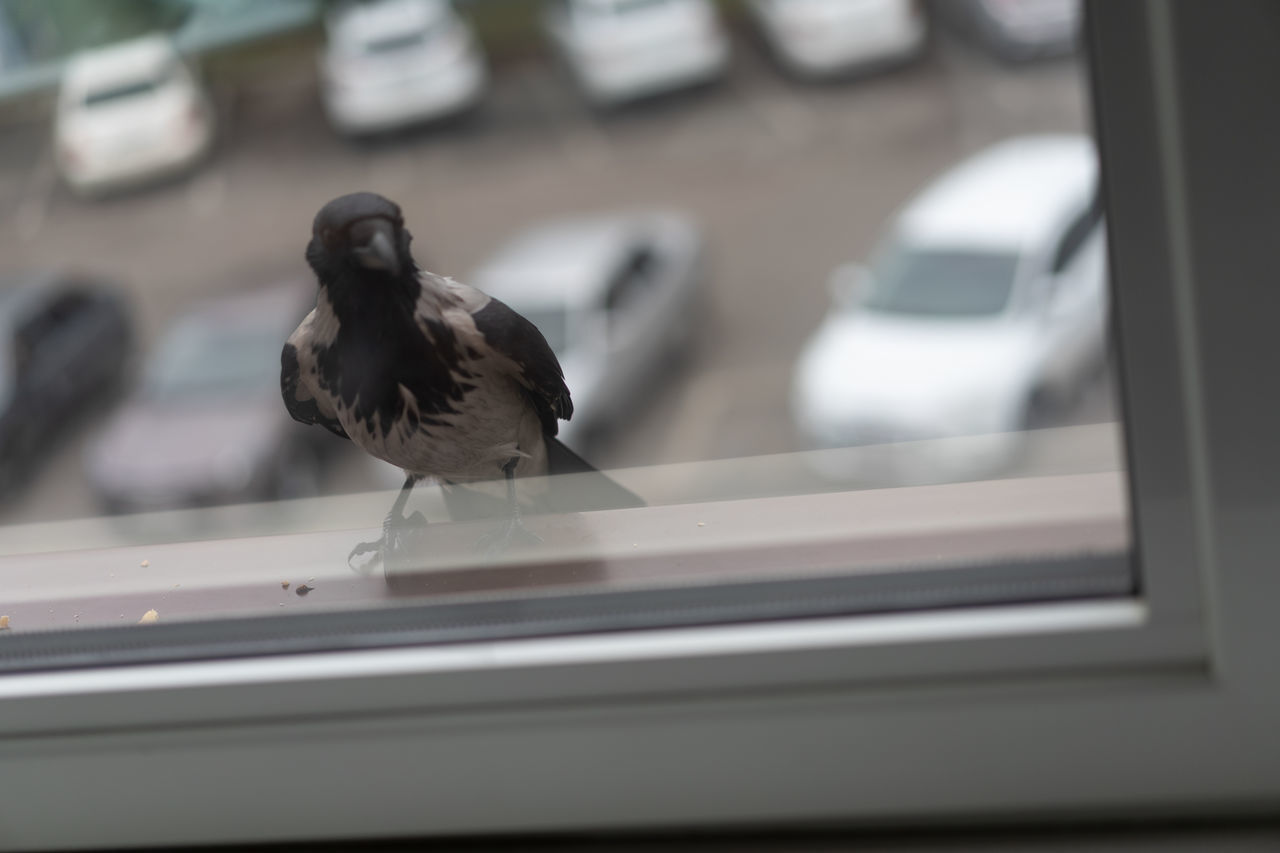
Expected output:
(206, 358)
(124, 90)
(398, 42)
(941, 283)
(619, 7)
(552, 321)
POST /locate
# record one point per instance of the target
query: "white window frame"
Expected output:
(1163, 704)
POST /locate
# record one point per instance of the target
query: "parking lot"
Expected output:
(786, 180)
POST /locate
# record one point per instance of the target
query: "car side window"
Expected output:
(1076, 235)
(633, 278)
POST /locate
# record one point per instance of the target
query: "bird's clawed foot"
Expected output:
(512, 532)
(396, 543)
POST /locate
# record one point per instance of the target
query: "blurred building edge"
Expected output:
(38, 36)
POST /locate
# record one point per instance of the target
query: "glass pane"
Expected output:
(869, 332)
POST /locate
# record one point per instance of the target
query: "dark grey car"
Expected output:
(64, 347)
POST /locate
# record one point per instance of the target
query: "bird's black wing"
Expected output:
(301, 405)
(520, 341)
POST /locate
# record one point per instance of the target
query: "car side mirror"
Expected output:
(848, 285)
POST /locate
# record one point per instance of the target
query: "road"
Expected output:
(786, 180)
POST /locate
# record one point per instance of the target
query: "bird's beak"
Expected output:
(377, 250)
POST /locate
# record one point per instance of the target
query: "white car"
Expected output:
(986, 301)
(616, 297)
(620, 50)
(129, 112)
(390, 63)
(819, 38)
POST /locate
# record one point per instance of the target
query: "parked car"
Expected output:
(390, 63)
(127, 113)
(65, 343)
(822, 38)
(985, 303)
(619, 50)
(206, 426)
(615, 296)
(1016, 30)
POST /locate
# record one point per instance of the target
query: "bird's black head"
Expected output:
(360, 238)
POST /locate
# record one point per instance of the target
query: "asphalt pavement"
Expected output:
(786, 180)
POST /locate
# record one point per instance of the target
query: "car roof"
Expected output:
(359, 22)
(1009, 196)
(565, 260)
(124, 61)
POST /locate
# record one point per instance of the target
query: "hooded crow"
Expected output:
(433, 376)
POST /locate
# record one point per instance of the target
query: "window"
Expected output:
(123, 92)
(768, 684)
(631, 281)
(717, 372)
(201, 358)
(619, 7)
(933, 283)
(552, 322)
(1079, 231)
(397, 44)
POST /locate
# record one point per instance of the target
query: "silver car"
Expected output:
(615, 295)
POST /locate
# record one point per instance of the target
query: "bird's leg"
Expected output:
(513, 529)
(393, 528)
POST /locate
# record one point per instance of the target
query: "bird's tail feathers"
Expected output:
(562, 460)
(573, 485)
(578, 486)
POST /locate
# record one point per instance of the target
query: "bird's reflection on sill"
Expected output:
(446, 558)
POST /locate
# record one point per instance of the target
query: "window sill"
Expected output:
(107, 582)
